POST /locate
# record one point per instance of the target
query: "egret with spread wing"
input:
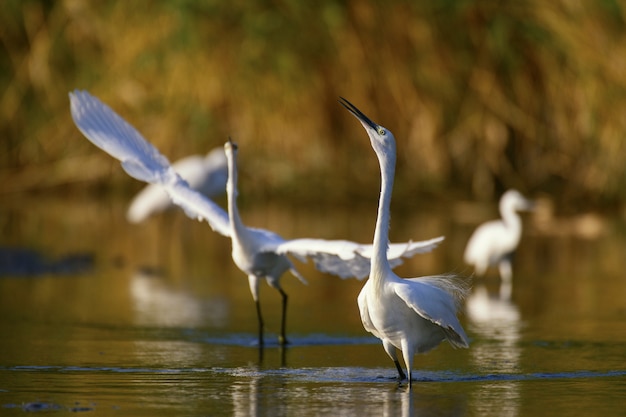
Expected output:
(206, 174)
(493, 242)
(259, 253)
(416, 314)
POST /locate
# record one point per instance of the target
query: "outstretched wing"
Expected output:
(205, 174)
(436, 298)
(111, 133)
(399, 251)
(348, 259)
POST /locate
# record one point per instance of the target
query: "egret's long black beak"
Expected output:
(357, 113)
(233, 144)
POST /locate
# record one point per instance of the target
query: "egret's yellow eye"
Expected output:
(381, 131)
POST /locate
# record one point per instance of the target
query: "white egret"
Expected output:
(493, 242)
(259, 253)
(204, 173)
(416, 314)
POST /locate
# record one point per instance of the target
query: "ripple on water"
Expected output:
(327, 374)
(271, 341)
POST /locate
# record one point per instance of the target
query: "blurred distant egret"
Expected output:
(493, 242)
(205, 173)
(259, 253)
(416, 314)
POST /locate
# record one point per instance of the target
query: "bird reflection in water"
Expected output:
(496, 323)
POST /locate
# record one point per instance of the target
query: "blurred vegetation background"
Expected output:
(481, 95)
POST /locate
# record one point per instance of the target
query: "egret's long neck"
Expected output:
(231, 190)
(380, 263)
(512, 221)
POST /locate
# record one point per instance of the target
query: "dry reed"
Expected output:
(481, 95)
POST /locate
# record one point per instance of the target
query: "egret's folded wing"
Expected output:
(364, 310)
(111, 133)
(436, 298)
(348, 259)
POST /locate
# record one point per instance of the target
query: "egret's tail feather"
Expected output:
(453, 284)
(455, 339)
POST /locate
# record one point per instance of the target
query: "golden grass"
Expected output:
(481, 95)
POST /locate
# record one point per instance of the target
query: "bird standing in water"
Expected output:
(493, 242)
(416, 314)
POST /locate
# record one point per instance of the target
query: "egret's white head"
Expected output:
(230, 149)
(513, 200)
(382, 139)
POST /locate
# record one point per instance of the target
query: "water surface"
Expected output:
(155, 320)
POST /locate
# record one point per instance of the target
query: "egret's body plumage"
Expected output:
(413, 315)
(259, 253)
(206, 174)
(493, 242)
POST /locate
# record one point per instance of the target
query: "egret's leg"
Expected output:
(506, 274)
(260, 319)
(391, 351)
(401, 374)
(274, 283)
(254, 289)
(408, 353)
(282, 338)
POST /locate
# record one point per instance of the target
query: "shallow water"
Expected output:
(157, 321)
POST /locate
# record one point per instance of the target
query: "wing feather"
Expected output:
(364, 310)
(111, 133)
(437, 298)
(348, 259)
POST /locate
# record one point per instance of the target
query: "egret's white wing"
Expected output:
(348, 259)
(264, 239)
(111, 133)
(205, 174)
(365, 314)
(397, 251)
(198, 206)
(337, 257)
(150, 200)
(215, 173)
(436, 298)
